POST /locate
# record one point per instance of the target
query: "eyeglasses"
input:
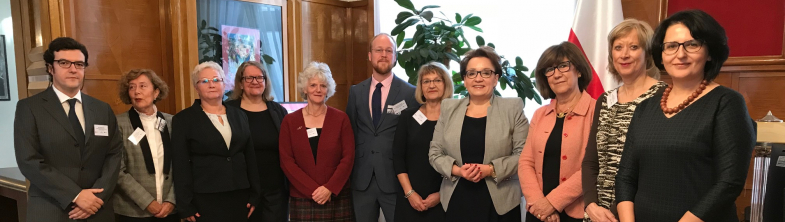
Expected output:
(670, 48)
(250, 79)
(562, 67)
(485, 73)
(380, 51)
(428, 82)
(214, 80)
(132, 87)
(65, 64)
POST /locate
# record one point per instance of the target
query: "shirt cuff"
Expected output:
(74, 201)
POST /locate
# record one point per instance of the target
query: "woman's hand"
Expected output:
(470, 171)
(193, 218)
(432, 200)
(552, 218)
(251, 208)
(541, 208)
(417, 202)
(599, 214)
(321, 195)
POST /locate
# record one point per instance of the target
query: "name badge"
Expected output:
(419, 117)
(101, 130)
(161, 124)
(312, 132)
(136, 136)
(781, 161)
(399, 107)
(612, 98)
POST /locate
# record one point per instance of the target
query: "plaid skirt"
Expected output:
(339, 208)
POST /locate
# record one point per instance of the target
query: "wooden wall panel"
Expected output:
(647, 11)
(120, 36)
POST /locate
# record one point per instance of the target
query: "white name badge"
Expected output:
(101, 130)
(136, 136)
(161, 124)
(781, 161)
(399, 107)
(312, 132)
(419, 117)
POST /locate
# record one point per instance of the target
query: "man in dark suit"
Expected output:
(67, 143)
(373, 109)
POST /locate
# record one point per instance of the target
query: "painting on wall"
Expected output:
(5, 94)
(239, 45)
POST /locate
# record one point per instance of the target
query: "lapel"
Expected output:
(52, 105)
(167, 144)
(457, 118)
(365, 111)
(234, 125)
(491, 131)
(89, 118)
(391, 98)
(209, 123)
(143, 145)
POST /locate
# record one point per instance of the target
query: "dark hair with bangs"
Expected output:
(553, 56)
(702, 27)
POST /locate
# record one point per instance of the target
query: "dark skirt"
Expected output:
(339, 208)
(404, 212)
(223, 206)
(472, 202)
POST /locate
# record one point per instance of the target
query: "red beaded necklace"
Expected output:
(664, 100)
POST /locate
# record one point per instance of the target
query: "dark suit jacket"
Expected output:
(373, 147)
(335, 153)
(203, 164)
(49, 155)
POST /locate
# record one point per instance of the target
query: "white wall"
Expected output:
(522, 28)
(7, 108)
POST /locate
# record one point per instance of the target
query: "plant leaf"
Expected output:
(480, 41)
(212, 28)
(268, 59)
(460, 88)
(474, 27)
(466, 18)
(407, 4)
(424, 52)
(473, 21)
(429, 6)
(503, 83)
(427, 15)
(491, 45)
(399, 28)
(400, 38)
(402, 17)
(518, 61)
(457, 18)
(452, 56)
(408, 44)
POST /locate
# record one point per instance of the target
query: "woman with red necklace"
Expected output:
(686, 157)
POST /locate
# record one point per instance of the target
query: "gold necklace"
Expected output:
(563, 114)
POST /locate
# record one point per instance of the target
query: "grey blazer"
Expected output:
(505, 135)
(373, 145)
(135, 186)
(49, 155)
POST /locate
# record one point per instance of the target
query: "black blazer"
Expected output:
(276, 110)
(203, 164)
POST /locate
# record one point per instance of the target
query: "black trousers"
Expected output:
(273, 207)
(170, 218)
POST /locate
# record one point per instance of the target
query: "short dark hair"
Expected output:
(484, 52)
(63, 43)
(702, 27)
(554, 55)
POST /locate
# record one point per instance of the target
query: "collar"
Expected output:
(580, 109)
(385, 83)
(143, 115)
(62, 97)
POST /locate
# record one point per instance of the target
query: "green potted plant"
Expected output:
(439, 38)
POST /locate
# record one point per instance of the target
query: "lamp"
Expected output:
(771, 130)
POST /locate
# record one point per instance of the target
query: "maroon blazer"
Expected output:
(335, 153)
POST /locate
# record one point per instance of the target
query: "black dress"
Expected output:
(410, 156)
(695, 161)
(551, 166)
(472, 201)
(275, 196)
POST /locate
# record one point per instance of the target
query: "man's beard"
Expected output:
(382, 70)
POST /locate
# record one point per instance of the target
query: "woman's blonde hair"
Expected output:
(645, 34)
(438, 69)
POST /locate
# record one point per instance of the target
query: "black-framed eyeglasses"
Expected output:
(670, 48)
(214, 80)
(250, 79)
(485, 73)
(428, 82)
(65, 64)
(562, 67)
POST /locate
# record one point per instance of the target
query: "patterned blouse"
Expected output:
(603, 152)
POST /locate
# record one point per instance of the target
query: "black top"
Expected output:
(202, 163)
(266, 145)
(410, 156)
(314, 141)
(695, 161)
(551, 160)
(471, 201)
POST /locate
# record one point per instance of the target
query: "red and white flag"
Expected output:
(594, 19)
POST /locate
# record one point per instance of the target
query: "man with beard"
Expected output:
(373, 109)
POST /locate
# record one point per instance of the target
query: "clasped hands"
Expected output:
(86, 204)
(321, 195)
(543, 210)
(475, 172)
(420, 204)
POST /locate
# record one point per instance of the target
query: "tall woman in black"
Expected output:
(214, 163)
(688, 148)
(418, 200)
(252, 94)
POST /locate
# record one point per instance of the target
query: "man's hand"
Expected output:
(78, 214)
(88, 201)
(154, 207)
(193, 218)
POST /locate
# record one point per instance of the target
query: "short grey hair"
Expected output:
(316, 70)
(203, 66)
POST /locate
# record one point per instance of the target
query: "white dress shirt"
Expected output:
(149, 122)
(224, 129)
(64, 101)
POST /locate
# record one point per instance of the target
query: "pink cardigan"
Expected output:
(568, 196)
